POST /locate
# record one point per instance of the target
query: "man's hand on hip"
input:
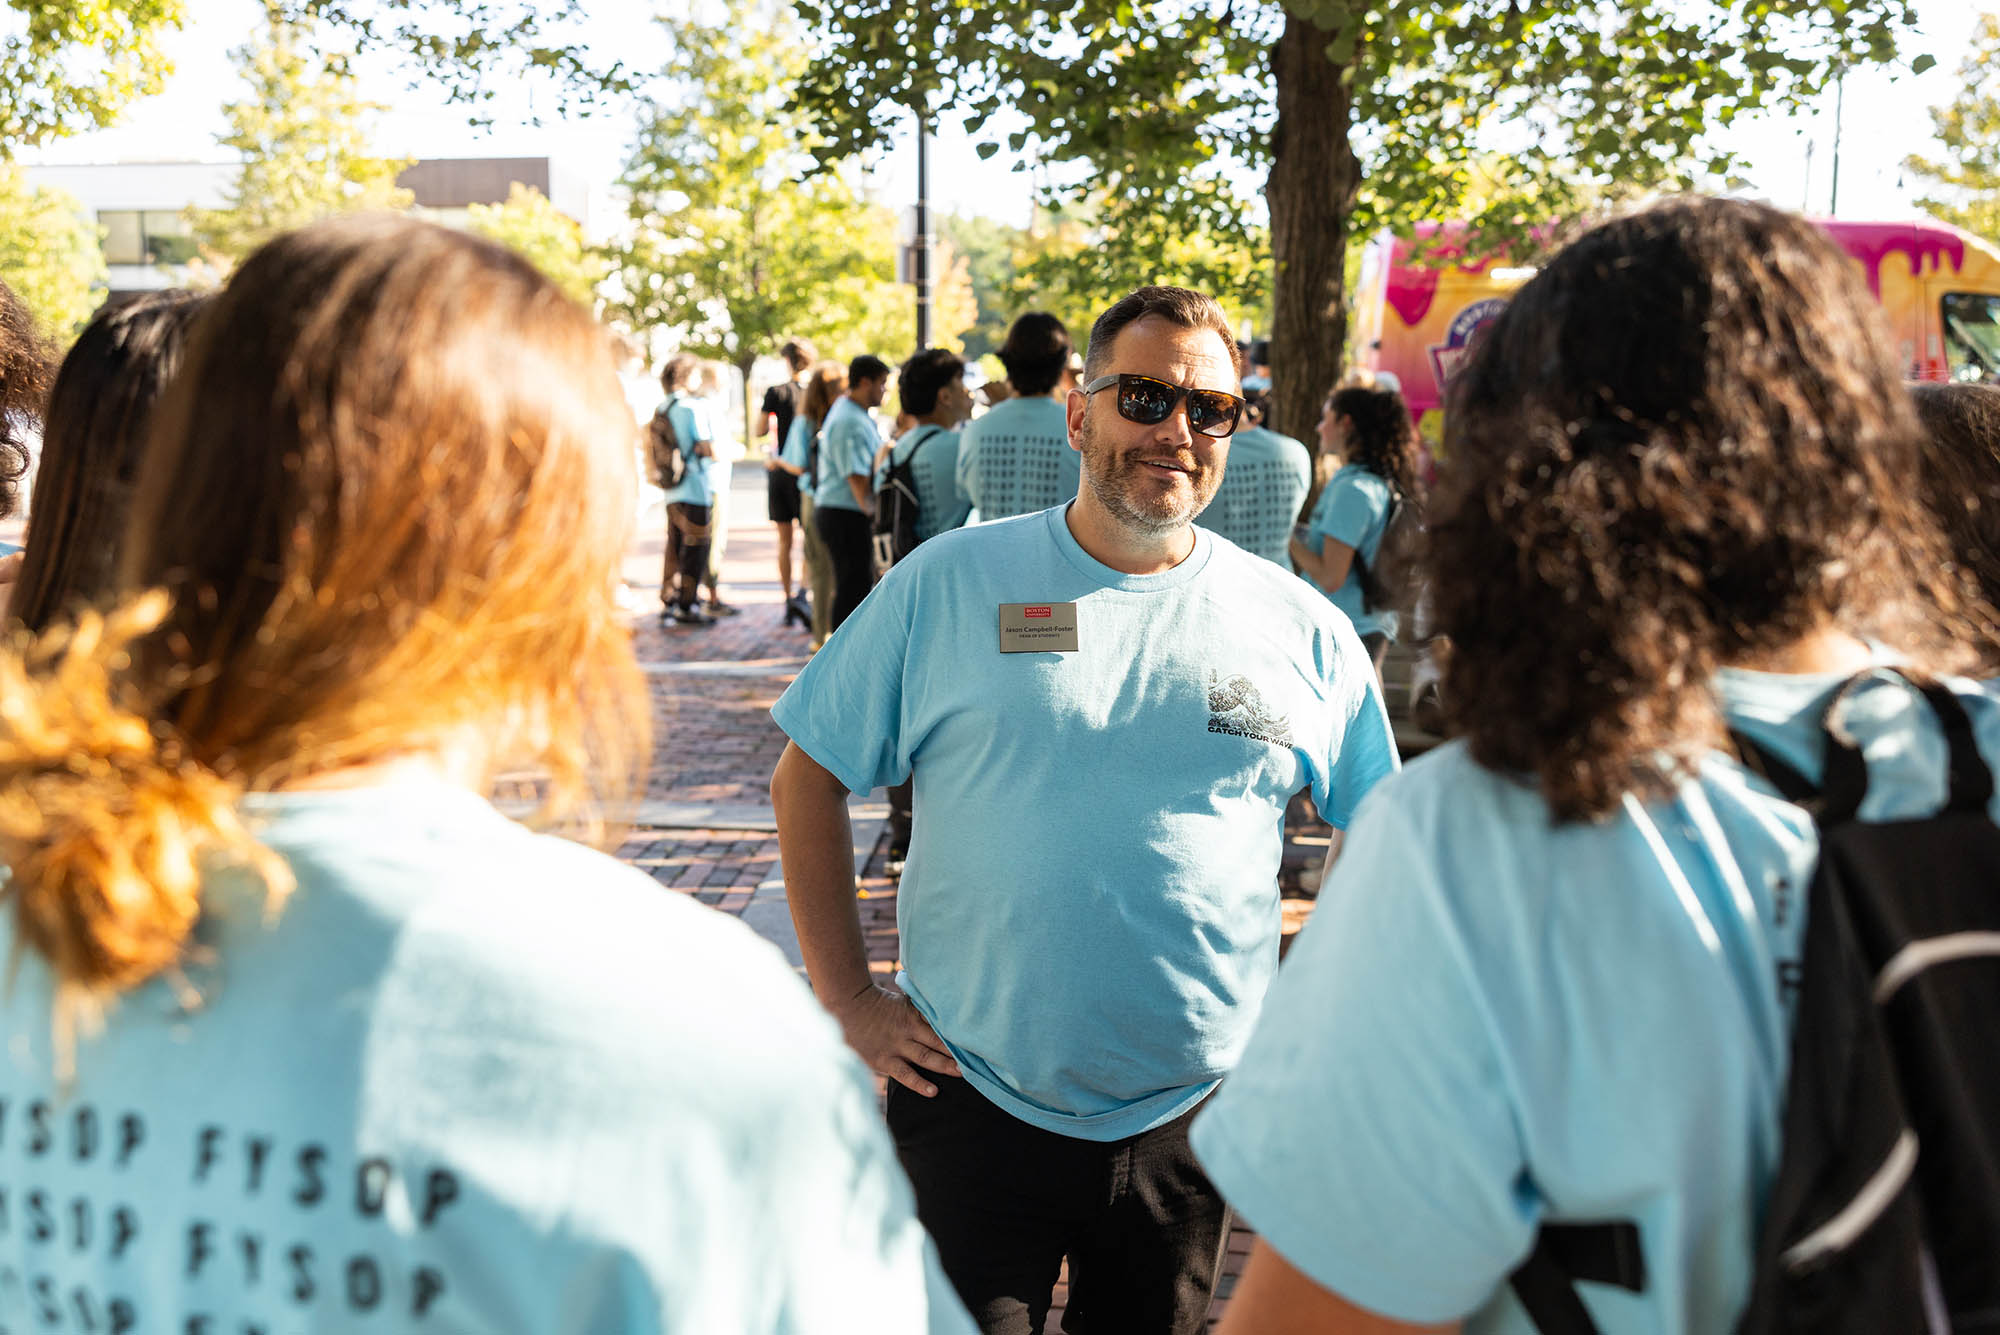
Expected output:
(894, 1038)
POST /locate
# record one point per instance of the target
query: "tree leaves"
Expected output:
(49, 253)
(301, 127)
(1967, 178)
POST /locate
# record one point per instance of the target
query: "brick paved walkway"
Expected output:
(706, 828)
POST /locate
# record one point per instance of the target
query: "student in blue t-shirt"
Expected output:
(300, 1032)
(1016, 458)
(932, 388)
(691, 504)
(1257, 505)
(844, 495)
(1105, 711)
(1548, 980)
(1341, 546)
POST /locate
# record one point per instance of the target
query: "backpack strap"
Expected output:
(1838, 797)
(1566, 1254)
(1971, 777)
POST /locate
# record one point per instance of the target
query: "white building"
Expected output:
(140, 205)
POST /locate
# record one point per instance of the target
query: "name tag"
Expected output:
(1038, 628)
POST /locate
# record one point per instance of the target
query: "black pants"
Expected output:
(687, 554)
(902, 813)
(850, 548)
(1141, 1224)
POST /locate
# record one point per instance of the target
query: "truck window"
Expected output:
(1972, 336)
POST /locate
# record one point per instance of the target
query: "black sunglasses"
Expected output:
(1149, 402)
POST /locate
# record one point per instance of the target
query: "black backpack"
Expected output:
(1376, 591)
(663, 450)
(895, 522)
(1885, 1215)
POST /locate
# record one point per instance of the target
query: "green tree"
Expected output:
(69, 66)
(50, 253)
(302, 132)
(989, 247)
(546, 237)
(1967, 177)
(1359, 112)
(730, 248)
(73, 65)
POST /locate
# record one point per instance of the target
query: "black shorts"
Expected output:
(781, 491)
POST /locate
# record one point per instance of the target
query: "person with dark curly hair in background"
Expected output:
(1340, 547)
(92, 439)
(27, 365)
(1545, 983)
(1960, 480)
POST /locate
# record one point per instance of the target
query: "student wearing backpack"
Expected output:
(690, 502)
(1550, 980)
(932, 388)
(1341, 547)
(922, 466)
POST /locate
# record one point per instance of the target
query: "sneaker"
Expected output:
(692, 616)
(722, 609)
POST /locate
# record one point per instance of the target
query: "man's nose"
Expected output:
(1175, 428)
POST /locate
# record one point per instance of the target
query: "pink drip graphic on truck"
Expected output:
(1939, 287)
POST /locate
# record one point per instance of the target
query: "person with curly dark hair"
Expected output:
(1548, 980)
(1960, 481)
(1340, 547)
(27, 368)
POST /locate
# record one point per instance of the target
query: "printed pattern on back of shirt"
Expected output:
(1017, 475)
(1256, 506)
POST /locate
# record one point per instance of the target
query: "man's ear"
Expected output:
(1074, 407)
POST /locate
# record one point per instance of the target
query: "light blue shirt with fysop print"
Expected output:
(1016, 459)
(1089, 914)
(847, 444)
(1493, 1022)
(691, 426)
(468, 1078)
(934, 451)
(1354, 509)
(1263, 485)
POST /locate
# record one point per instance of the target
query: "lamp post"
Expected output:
(920, 266)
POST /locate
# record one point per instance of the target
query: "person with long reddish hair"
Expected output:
(302, 1030)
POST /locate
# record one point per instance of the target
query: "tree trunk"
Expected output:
(744, 362)
(1311, 192)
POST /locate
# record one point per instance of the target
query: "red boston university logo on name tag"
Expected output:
(1037, 612)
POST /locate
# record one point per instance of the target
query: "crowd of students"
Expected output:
(302, 1033)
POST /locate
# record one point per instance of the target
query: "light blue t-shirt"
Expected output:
(469, 1079)
(1354, 509)
(1089, 914)
(1015, 459)
(691, 426)
(798, 451)
(1263, 485)
(939, 506)
(1492, 1022)
(847, 444)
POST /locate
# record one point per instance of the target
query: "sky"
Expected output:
(1789, 160)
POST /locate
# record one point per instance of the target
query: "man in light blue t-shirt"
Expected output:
(1017, 458)
(690, 505)
(844, 496)
(1258, 502)
(1106, 710)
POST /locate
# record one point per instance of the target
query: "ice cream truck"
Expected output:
(1939, 286)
